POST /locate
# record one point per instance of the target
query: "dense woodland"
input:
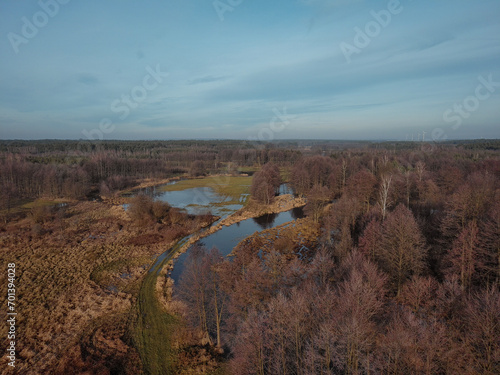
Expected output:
(400, 275)
(404, 278)
(79, 170)
(82, 169)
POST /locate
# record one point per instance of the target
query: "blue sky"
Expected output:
(250, 69)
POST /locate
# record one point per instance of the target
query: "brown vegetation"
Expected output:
(402, 274)
(265, 183)
(77, 277)
(395, 270)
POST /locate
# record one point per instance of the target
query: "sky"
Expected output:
(250, 69)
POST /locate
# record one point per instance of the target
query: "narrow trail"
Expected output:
(153, 328)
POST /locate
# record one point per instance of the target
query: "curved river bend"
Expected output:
(154, 327)
(226, 238)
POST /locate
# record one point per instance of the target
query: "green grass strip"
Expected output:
(154, 327)
(225, 186)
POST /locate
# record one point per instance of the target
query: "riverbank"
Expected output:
(231, 189)
(120, 198)
(253, 209)
(163, 287)
(165, 284)
(155, 307)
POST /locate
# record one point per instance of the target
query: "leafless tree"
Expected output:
(384, 194)
(403, 248)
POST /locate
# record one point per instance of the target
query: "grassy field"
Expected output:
(42, 203)
(225, 186)
(285, 174)
(79, 284)
(154, 327)
(54, 284)
(24, 205)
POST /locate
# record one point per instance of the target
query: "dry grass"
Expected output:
(287, 238)
(77, 277)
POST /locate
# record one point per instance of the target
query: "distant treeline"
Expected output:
(55, 145)
(75, 169)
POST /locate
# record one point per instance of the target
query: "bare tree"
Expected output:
(483, 330)
(360, 186)
(470, 202)
(361, 297)
(316, 199)
(384, 194)
(266, 183)
(420, 169)
(370, 241)
(403, 248)
(198, 168)
(249, 355)
(463, 256)
(344, 173)
(489, 243)
(200, 289)
(413, 346)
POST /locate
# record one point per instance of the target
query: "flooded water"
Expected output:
(199, 200)
(225, 239)
(204, 199)
(196, 201)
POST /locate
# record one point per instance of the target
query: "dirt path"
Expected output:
(154, 328)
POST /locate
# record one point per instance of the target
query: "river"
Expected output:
(226, 238)
(153, 327)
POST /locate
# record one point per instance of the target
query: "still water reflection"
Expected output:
(228, 237)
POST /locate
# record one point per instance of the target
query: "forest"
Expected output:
(395, 268)
(403, 278)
